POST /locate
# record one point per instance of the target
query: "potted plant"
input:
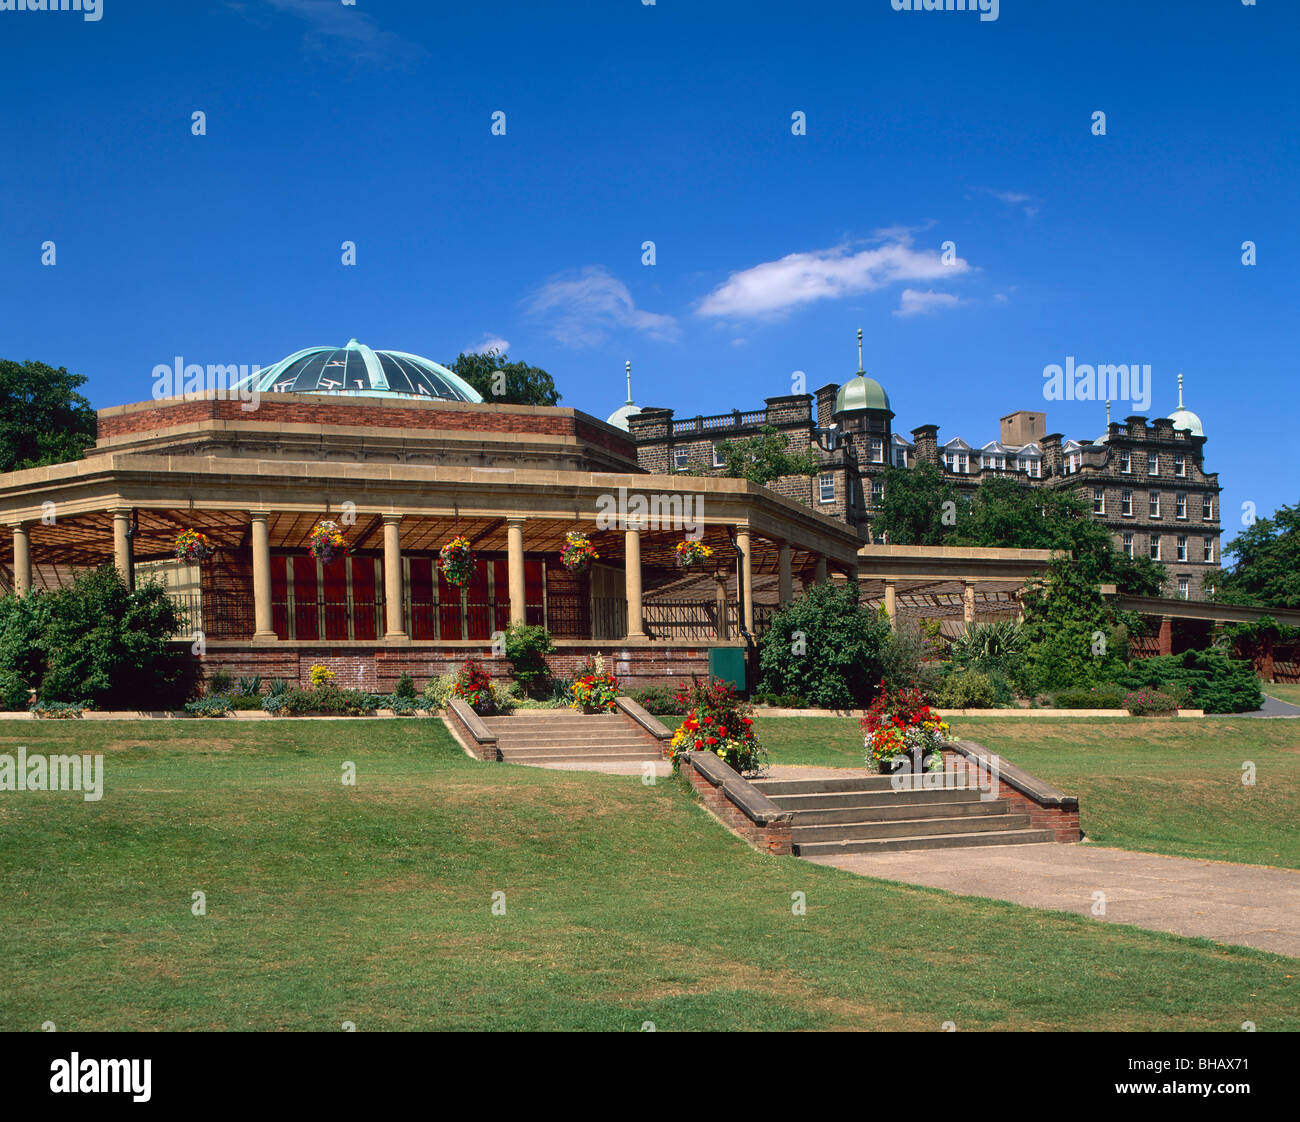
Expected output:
(717, 720)
(902, 732)
(326, 542)
(474, 685)
(691, 553)
(193, 547)
(578, 552)
(456, 562)
(594, 690)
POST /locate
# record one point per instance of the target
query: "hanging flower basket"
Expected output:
(692, 554)
(578, 552)
(193, 548)
(456, 562)
(327, 542)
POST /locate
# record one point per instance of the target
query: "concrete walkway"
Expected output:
(1246, 904)
(1272, 707)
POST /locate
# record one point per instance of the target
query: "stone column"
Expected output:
(515, 562)
(746, 577)
(22, 560)
(968, 602)
(891, 603)
(819, 573)
(122, 544)
(263, 622)
(724, 616)
(1267, 669)
(785, 577)
(393, 613)
(1166, 635)
(632, 580)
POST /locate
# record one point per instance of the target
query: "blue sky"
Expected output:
(672, 123)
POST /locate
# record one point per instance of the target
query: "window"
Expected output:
(827, 485)
(900, 457)
(1126, 461)
(877, 492)
(1072, 462)
(681, 457)
(1153, 504)
(1128, 543)
(719, 460)
(1184, 588)
(1153, 550)
(1153, 464)
(1030, 466)
(1180, 465)
(991, 461)
(1182, 547)
(1126, 503)
(1098, 501)
(1209, 551)
(958, 462)
(877, 447)
(1207, 508)
(1180, 506)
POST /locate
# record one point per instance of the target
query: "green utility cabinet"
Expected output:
(728, 663)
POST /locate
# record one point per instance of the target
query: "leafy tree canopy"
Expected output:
(498, 379)
(765, 457)
(43, 420)
(1266, 570)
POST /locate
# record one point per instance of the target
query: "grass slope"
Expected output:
(1153, 785)
(624, 904)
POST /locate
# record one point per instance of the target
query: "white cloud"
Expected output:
(489, 343)
(1018, 199)
(777, 287)
(336, 28)
(916, 303)
(584, 308)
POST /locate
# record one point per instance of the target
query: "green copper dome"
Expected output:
(358, 371)
(861, 393)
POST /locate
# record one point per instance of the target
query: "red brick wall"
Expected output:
(774, 839)
(1063, 823)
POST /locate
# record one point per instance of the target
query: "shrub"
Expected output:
(526, 648)
(781, 700)
(246, 702)
(1107, 696)
(23, 620)
(717, 720)
(1071, 636)
(13, 691)
(969, 689)
(250, 687)
(405, 688)
(906, 661)
(327, 699)
(220, 683)
(319, 675)
(474, 684)
(1148, 700)
(111, 645)
(659, 701)
(214, 705)
(437, 692)
(1215, 682)
(59, 710)
(826, 647)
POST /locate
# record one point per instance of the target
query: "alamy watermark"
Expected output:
(1105, 382)
(192, 381)
(651, 512)
(92, 11)
(38, 772)
(988, 9)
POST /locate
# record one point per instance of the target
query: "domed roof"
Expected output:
(1185, 419)
(861, 393)
(358, 371)
(619, 417)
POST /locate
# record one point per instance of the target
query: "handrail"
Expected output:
(1037, 789)
(755, 805)
(472, 721)
(644, 719)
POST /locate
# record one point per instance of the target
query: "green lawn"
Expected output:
(1156, 785)
(624, 904)
(1288, 692)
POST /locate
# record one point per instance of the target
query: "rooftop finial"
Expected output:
(1108, 414)
(860, 350)
(629, 381)
(1180, 391)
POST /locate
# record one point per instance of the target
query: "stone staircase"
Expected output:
(562, 737)
(866, 815)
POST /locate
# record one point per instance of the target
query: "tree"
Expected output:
(825, 647)
(764, 457)
(920, 506)
(1266, 570)
(43, 420)
(1072, 636)
(522, 384)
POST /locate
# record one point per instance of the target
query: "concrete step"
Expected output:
(584, 758)
(534, 718)
(875, 798)
(910, 827)
(892, 812)
(923, 841)
(523, 740)
(773, 787)
(582, 750)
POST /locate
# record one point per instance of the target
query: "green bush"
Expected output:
(111, 645)
(327, 699)
(781, 700)
(405, 687)
(906, 662)
(23, 620)
(527, 647)
(250, 687)
(658, 701)
(213, 705)
(59, 710)
(825, 647)
(1070, 636)
(13, 691)
(969, 689)
(1215, 682)
(1150, 700)
(1107, 696)
(245, 701)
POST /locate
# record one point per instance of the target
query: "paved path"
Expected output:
(1274, 708)
(1246, 904)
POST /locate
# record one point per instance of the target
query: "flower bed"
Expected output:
(718, 721)
(903, 732)
(595, 689)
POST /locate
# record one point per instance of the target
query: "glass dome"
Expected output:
(358, 371)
